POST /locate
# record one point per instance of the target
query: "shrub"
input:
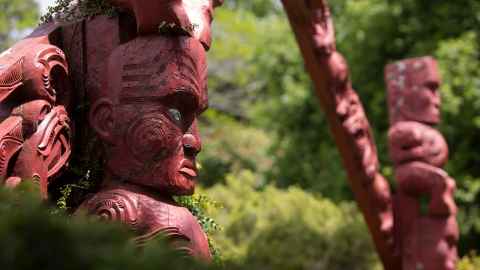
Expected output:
(471, 262)
(288, 229)
(32, 237)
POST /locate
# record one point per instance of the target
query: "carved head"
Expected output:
(147, 114)
(193, 17)
(413, 93)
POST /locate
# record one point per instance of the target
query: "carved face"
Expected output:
(157, 89)
(413, 90)
(354, 120)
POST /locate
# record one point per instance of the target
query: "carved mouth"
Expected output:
(188, 169)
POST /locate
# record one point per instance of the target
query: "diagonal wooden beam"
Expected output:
(348, 125)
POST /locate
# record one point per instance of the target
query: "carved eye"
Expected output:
(175, 115)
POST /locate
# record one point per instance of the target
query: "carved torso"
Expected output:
(150, 215)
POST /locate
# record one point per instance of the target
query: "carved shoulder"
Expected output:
(114, 205)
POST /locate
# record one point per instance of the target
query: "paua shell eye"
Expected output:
(175, 115)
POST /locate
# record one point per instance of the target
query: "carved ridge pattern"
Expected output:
(10, 144)
(50, 58)
(172, 234)
(11, 78)
(42, 136)
(147, 135)
(114, 206)
(55, 139)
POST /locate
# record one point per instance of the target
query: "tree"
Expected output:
(16, 16)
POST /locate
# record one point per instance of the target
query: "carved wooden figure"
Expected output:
(426, 240)
(35, 127)
(313, 27)
(146, 117)
(404, 238)
(144, 75)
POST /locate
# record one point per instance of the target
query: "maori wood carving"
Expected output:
(313, 27)
(143, 75)
(426, 239)
(404, 237)
(35, 127)
(146, 117)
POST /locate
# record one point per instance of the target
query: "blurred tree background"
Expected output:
(268, 156)
(264, 117)
(16, 16)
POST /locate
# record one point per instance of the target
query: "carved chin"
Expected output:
(183, 184)
(173, 182)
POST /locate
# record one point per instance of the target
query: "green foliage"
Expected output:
(34, 239)
(273, 228)
(276, 229)
(16, 16)
(231, 146)
(460, 64)
(260, 8)
(471, 262)
(198, 205)
(257, 77)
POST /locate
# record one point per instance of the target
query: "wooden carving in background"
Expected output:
(311, 21)
(404, 237)
(427, 239)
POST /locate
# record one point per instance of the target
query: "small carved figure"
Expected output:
(426, 239)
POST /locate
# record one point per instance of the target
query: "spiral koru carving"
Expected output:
(11, 78)
(50, 58)
(10, 142)
(114, 206)
(147, 137)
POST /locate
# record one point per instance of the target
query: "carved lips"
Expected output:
(188, 169)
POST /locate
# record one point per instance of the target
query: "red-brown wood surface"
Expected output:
(313, 28)
(426, 239)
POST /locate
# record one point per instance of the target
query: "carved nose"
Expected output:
(191, 145)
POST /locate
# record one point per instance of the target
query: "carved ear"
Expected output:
(101, 119)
